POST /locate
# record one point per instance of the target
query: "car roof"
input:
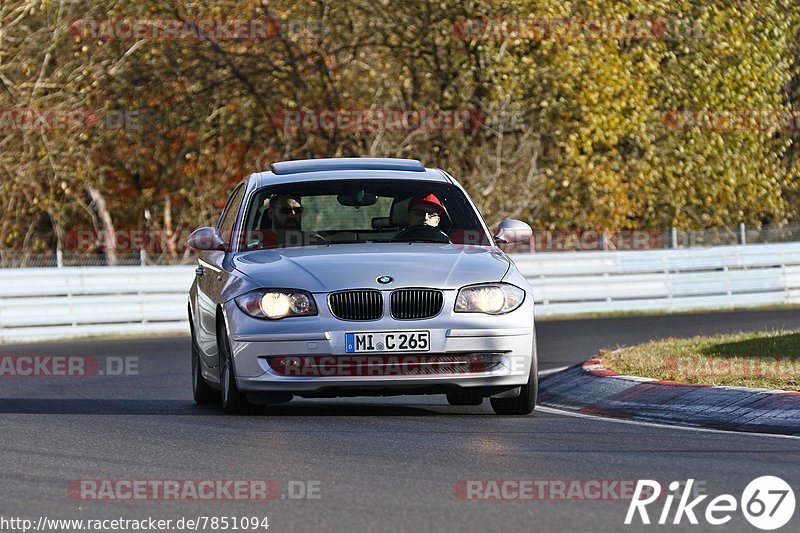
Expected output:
(346, 163)
(347, 168)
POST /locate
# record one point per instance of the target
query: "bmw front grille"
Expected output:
(409, 304)
(357, 305)
(367, 304)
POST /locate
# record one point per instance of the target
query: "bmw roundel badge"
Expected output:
(383, 280)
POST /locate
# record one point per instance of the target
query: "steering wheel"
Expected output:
(423, 232)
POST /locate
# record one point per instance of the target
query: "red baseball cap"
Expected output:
(427, 199)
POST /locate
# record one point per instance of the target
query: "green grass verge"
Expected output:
(769, 360)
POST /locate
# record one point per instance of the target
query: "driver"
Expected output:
(282, 225)
(286, 212)
(425, 210)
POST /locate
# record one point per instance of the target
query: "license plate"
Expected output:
(388, 341)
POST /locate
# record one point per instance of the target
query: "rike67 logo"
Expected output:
(767, 503)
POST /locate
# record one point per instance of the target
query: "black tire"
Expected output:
(201, 390)
(464, 398)
(233, 400)
(525, 402)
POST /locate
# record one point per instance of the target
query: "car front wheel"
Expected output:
(233, 400)
(525, 402)
(201, 391)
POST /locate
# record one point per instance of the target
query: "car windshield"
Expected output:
(355, 211)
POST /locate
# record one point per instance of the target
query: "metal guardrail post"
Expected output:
(673, 237)
(742, 234)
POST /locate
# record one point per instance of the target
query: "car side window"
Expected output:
(228, 218)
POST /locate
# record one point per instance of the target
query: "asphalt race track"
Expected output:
(375, 464)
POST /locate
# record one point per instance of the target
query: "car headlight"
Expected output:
(277, 303)
(490, 298)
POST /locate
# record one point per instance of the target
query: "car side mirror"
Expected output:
(511, 231)
(208, 238)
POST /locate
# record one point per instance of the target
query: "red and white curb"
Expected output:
(595, 366)
(593, 389)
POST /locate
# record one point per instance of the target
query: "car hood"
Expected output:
(349, 266)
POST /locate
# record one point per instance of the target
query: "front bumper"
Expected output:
(510, 338)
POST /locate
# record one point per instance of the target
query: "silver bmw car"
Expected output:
(359, 276)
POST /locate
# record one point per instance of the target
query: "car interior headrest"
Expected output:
(264, 222)
(398, 214)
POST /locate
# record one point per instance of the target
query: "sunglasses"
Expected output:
(424, 213)
(290, 210)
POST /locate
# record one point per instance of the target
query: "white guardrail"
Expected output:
(45, 303)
